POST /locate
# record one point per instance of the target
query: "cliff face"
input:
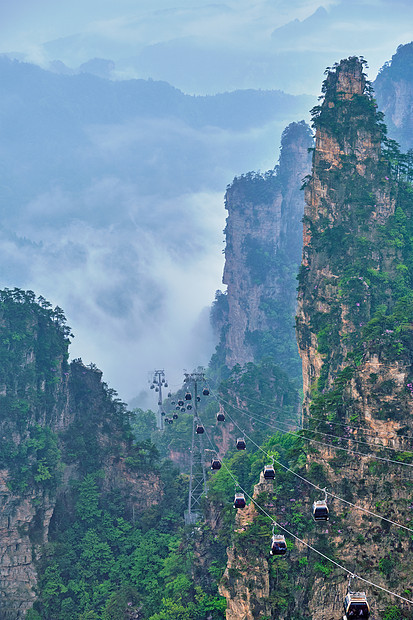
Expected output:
(394, 93)
(57, 422)
(263, 241)
(354, 329)
(355, 335)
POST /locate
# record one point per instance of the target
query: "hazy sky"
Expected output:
(209, 47)
(136, 294)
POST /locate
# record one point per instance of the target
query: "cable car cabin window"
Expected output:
(269, 472)
(200, 429)
(220, 417)
(241, 444)
(356, 605)
(278, 545)
(239, 500)
(320, 510)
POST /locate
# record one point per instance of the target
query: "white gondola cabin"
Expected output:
(241, 443)
(239, 500)
(269, 472)
(278, 545)
(320, 510)
(356, 605)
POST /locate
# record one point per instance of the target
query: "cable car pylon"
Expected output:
(158, 382)
(197, 471)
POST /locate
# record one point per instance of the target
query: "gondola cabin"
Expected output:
(188, 396)
(175, 416)
(239, 500)
(170, 421)
(205, 392)
(221, 417)
(269, 472)
(198, 398)
(182, 409)
(215, 464)
(152, 387)
(156, 389)
(356, 605)
(200, 429)
(169, 394)
(278, 545)
(177, 408)
(181, 403)
(189, 407)
(241, 443)
(163, 413)
(320, 510)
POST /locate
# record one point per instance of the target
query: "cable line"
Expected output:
(374, 585)
(326, 421)
(329, 445)
(404, 527)
(247, 412)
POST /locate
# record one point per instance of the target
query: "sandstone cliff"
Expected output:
(263, 247)
(58, 422)
(354, 333)
(354, 330)
(394, 93)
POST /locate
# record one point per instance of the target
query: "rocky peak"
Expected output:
(263, 246)
(354, 329)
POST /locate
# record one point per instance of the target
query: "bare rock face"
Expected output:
(394, 93)
(246, 581)
(263, 246)
(355, 340)
(46, 406)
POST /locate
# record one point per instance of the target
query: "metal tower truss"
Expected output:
(197, 473)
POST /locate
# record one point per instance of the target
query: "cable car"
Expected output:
(156, 389)
(170, 421)
(163, 413)
(166, 384)
(159, 402)
(166, 420)
(239, 500)
(200, 429)
(356, 605)
(172, 402)
(181, 403)
(169, 394)
(215, 464)
(241, 443)
(152, 386)
(188, 396)
(278, 545)
(189, 407)
(269, 472)
(163, 380)
(177, 407)
(220, 416)
(175, 416)
(320, 510)
(198, 398)
(183, 409)
(205, 392)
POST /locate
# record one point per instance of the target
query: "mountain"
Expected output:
(355, 339)
(394, 93)
(263, 249)
(111, 199)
